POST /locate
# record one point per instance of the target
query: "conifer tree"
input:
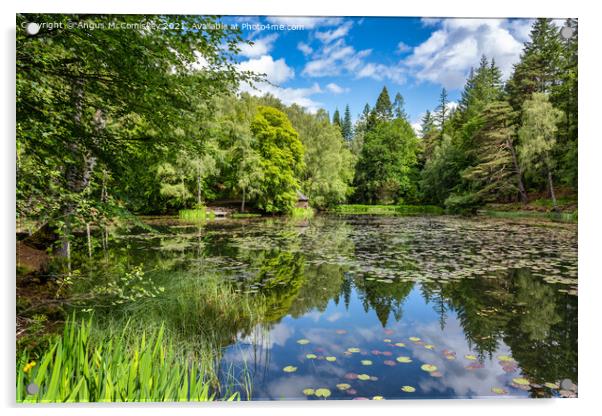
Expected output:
(347, 127)
(383, 110)
(442, 110)
(398, 107)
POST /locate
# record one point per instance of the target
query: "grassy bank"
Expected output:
(570, 217)
(76, 368)
(196, 215)
(388, 209)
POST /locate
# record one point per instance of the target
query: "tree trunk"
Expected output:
(89, 239)
(198, 192)
(242, 205)
(519, 174)
(552, 194)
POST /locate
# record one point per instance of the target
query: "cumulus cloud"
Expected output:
(403, 47)
(276, 71)
(336, 57)
(260, 46)
(336, 89)
(305, 48)
(448, 54)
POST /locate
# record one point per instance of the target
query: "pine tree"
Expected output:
(497, 172)
(442, 110)
(429, 134)
(347, 128)
(383, 110)
(539, 69)
(398, 107)
(336, 119)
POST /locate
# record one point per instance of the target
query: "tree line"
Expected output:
(117, 122)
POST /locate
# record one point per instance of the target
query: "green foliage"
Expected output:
(195, 215)
(77, 369)
(387, 163)
(281, 154)
(441, 172)
(302, 213)
(388, 209)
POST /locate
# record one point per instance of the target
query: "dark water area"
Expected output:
(369, 307)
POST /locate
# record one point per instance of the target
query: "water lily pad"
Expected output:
(428, 367)
(360, 398)
(414, 339)
(386, 340)
(400, 344)
(375, 352)
(389, 331)
(353, 349)
(323, 392)
(363, 377)
(309, 392)
(408, 389)
(343, 386)
(390, 363)
(310, 356)
(351, 392)
(366, 362)
(470, 357)
(474, 366)
(553, 386)
(331, 358)
(302, 341)
(289, 369)
(387, 353)
(521, 381)
(429, 346)
(378, 398)
(499, 390)
(436, 374)
(351, 376)
(505, 358)
(404, 359)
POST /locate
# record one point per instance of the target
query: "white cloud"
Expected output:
(336, 89)
(305, 48)
(379, 72)
(260, 47)
(276, 71)
(403, 47)
(448, 54)
(339, 32)
(306, 22)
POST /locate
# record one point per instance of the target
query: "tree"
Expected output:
(281, 154)
(383, 110)
(497, 172)
(387, 160)
(442, 110)
(347, 128)
(328, 161)
(336, 119)
(398, 107)
(441, 172)
(537, 136)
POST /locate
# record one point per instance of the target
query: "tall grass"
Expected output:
(74, 369)
(195, 215)
(389, 209)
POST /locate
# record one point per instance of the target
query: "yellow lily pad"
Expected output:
(289, 369)
(343, 386)
(366, 362)
(386, 340)
(353, 349)
(428, 367)
(408, 389)
(470, 357)
(309, 392)
(505, 358)
(331, 358)
(498, 390)
(400, 344)
(322, 392)
(414, 339)
(310, 356)
(303, 341)
(521, 381)
(363, 377)
(404, 360)
(551, 385)
(429, 346)
(378, 398)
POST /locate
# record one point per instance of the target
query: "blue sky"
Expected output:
(328, 62)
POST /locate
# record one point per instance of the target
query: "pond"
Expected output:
(366, 307)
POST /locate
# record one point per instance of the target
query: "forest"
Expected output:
(128, 142)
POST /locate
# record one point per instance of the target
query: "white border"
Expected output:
(589, 201)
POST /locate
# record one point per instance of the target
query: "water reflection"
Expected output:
(470, 291)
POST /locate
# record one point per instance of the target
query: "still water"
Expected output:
(368, 307)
